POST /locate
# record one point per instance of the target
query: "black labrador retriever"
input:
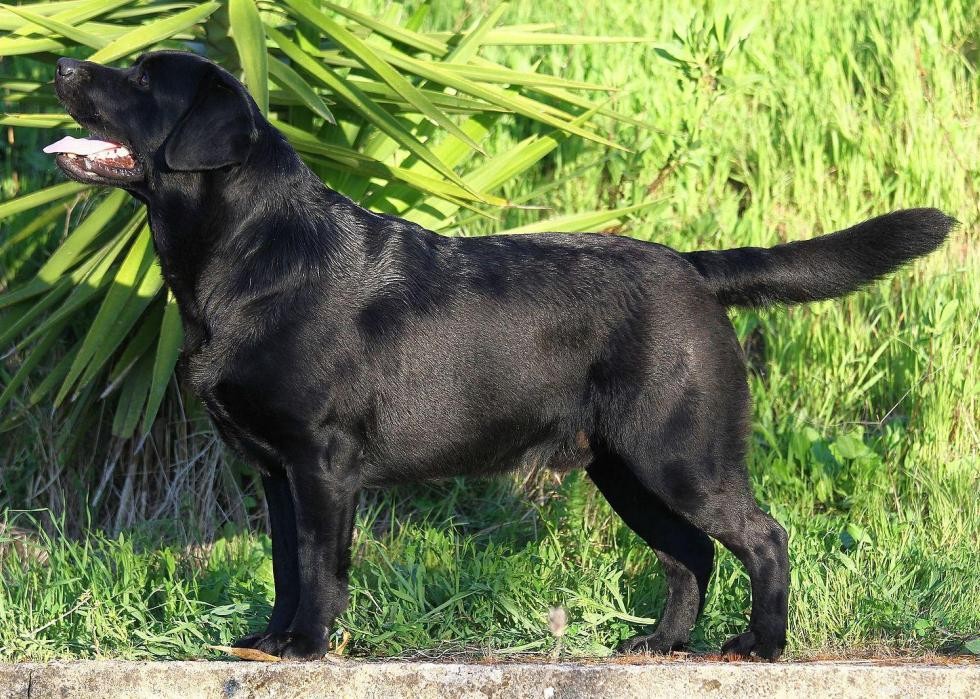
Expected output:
(337, 348)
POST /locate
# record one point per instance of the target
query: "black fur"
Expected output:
(825, 267)
(336, 348)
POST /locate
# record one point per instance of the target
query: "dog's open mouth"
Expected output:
(91, 159)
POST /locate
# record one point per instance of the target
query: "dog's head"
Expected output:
(170, 112)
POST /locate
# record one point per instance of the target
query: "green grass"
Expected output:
(866, 434)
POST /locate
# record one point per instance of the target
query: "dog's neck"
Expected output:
(215, 252)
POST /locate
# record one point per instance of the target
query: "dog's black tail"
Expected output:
(825, 267)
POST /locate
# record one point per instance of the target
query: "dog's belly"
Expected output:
(496, 413)
(481, 454)
(439, 442)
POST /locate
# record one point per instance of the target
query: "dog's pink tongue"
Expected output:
(79, 146)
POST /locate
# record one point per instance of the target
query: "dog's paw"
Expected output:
(655, 643)
(248, 641)
(289, 645)
(749, 645)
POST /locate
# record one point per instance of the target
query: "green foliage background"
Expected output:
(865, 441)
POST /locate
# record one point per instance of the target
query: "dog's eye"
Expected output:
(143, 80)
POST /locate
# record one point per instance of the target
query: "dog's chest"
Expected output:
(242, 408)
(252, 425)
(271, 405)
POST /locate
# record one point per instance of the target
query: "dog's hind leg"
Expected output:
(685, 553)
(760, 543)
(683, 436)
(725, 509)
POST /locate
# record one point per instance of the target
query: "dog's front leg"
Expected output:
(285, 565)
(324, 493)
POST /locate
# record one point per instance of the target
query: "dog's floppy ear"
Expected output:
(216, 131)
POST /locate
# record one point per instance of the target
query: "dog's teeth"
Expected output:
(118, 152)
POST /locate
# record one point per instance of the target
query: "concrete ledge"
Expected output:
(383, 680)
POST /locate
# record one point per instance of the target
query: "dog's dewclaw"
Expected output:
(247, 654)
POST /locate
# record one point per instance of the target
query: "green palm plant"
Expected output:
(385, 112)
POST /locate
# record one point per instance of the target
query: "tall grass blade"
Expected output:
(248, 33)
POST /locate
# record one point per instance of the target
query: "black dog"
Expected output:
(337, 348)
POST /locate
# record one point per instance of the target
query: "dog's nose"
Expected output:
(67, 67)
